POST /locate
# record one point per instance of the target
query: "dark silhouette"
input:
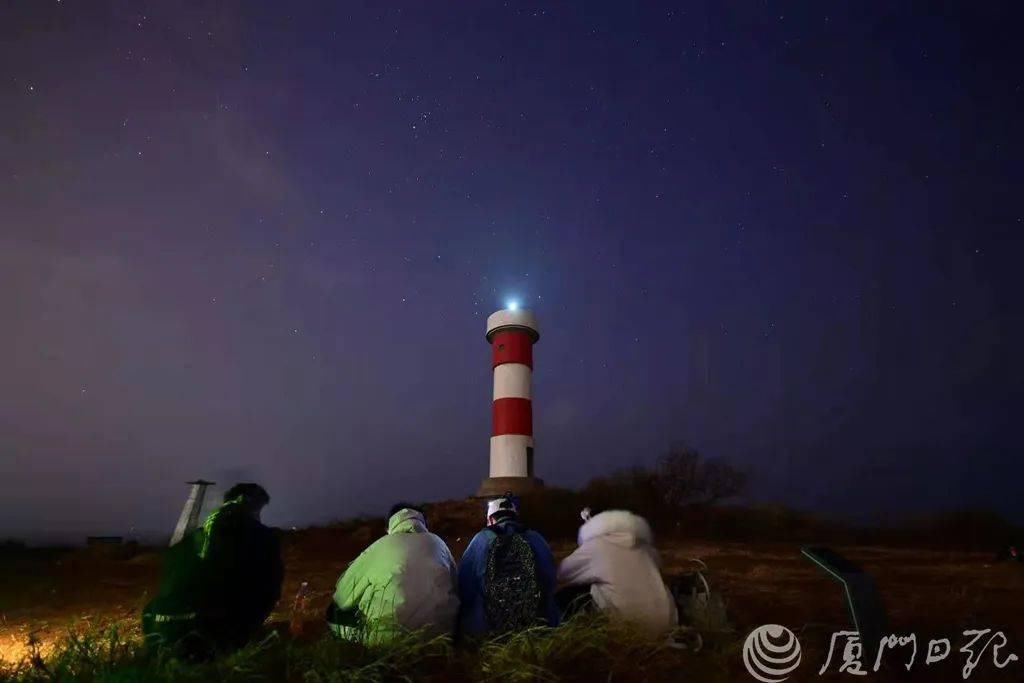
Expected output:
(220, 583)
(685, 478)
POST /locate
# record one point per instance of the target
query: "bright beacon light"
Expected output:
(512, 305)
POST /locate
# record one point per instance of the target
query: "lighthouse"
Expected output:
(511, 332)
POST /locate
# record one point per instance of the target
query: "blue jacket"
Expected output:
(472, 573)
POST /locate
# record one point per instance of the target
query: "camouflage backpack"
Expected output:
(512, 599)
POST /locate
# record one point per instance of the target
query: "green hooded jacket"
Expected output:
(405, 581)
(222, 580)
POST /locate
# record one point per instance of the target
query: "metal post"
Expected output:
(189, 518)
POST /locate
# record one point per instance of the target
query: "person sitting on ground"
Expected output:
(617, 565)
(506, 576)
(219, 583)
(405, 581)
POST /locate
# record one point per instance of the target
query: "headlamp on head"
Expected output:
(505, 506)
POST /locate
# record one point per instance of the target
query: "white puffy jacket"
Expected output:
(617, 558)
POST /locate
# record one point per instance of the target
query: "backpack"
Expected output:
(512, 595)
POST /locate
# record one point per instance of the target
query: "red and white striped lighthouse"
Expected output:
(512, 334)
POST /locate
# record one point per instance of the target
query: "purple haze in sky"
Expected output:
(260, 240)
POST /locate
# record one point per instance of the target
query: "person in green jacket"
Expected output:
(220, 583)
(405, 581)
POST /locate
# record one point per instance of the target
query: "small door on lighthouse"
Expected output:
(529, 461)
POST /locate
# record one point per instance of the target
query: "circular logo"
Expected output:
(771, 652)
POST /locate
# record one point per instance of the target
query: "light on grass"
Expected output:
(584, 648)
(14, 651)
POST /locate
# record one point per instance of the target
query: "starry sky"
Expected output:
(259, 240)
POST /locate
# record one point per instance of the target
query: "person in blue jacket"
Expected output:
(506, 576)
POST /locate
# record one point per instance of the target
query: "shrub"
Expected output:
(683, 478)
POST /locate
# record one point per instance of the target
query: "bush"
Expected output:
(684, 479)
(636, 489)
(680, 482)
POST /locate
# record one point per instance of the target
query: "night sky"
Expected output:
(259, 240)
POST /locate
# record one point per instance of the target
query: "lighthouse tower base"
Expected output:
(492, 487)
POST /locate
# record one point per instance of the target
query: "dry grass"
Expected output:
(585, 649)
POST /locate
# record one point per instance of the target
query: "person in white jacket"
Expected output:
(405, 581)
(617, 560)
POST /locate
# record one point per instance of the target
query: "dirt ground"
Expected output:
(929, 593)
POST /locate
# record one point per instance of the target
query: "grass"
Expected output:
(42, 591)
(586, 648)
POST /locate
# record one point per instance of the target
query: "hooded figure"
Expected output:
(219, 583)
(506, 576)
(405, 581)
(617, 559)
